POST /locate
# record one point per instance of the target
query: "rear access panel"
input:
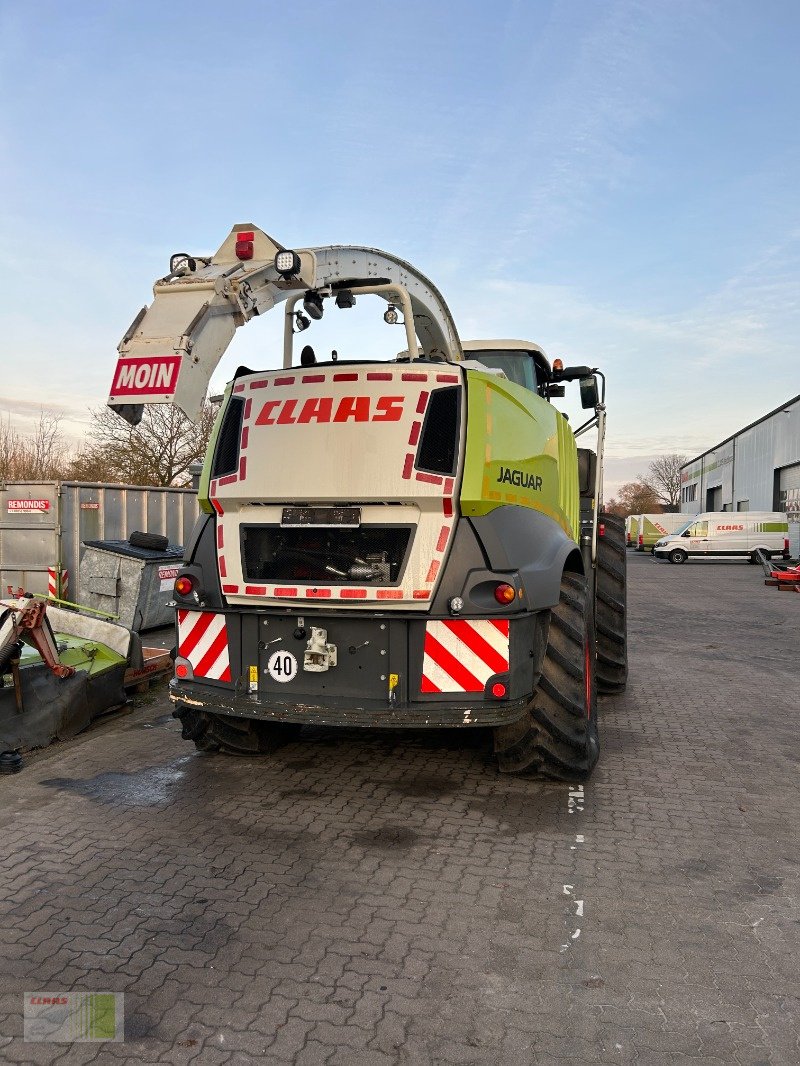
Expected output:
(313, 659)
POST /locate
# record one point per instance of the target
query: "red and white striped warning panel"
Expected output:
(58, 590)
(203, 640)
(461, 656)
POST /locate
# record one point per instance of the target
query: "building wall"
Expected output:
(744, 469)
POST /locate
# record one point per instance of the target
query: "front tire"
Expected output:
(558, 736)
(611, 608)
(678, 555)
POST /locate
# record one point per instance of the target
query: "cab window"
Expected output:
(518, 366)
(698, 529)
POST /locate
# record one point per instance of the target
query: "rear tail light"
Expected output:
(601, 529)
(183, 669)
(184, 585)
(641, 539)
(505, 593)
(786, 545)
(244, 244)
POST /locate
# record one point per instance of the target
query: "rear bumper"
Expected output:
(335, 668)
(374, 714)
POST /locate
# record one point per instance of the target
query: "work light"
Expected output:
(287, 263)
(312, 305)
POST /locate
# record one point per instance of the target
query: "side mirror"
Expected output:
(589, 394)
(688, 533)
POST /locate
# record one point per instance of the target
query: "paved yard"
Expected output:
(388, 898)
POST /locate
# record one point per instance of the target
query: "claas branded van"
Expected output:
(653, 527)
(727, 534)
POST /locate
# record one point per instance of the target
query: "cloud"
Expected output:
(32, 408)
(24, 415)
(678, 381)
(561, 132)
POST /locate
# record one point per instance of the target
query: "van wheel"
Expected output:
(678, 555)
(610, 613)
(233, 736)
(558, 736)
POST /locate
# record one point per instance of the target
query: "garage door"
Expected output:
(714, 499)
(789, 501)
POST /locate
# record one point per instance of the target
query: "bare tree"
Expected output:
(47, 448)
(12, 450)
(42, 455)
(636, 497)
(664, 478)
(159, 451)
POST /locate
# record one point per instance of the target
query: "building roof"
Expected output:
(777, 410)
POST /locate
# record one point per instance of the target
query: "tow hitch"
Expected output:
(319, 655)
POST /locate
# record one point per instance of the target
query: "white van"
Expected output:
(727, 534)
(652, 527)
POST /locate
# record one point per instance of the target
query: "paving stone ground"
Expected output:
(389, 898)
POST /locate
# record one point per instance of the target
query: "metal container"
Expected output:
(133, 584)
(43, 525)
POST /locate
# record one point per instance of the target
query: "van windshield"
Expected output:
(683, 528)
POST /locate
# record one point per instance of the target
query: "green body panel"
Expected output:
(205, 476)
(89, 656)
(519, 450)
(773, 527)
(650, 534)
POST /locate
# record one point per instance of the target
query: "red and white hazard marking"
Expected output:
(58, 590)
(461, 656)
(203, 640)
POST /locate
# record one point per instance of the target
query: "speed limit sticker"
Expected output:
(282, 666)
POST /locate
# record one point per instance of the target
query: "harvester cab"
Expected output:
(383, 543)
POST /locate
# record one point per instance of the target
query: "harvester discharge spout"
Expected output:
(172, 347)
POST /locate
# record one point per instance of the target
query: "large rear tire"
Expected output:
(611, 606)
(233, 736)
(558, 735)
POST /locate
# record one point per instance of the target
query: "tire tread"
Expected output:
(560, 741)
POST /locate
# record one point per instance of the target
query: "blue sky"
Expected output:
(615, 180)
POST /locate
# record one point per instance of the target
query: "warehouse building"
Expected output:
(757, 469)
